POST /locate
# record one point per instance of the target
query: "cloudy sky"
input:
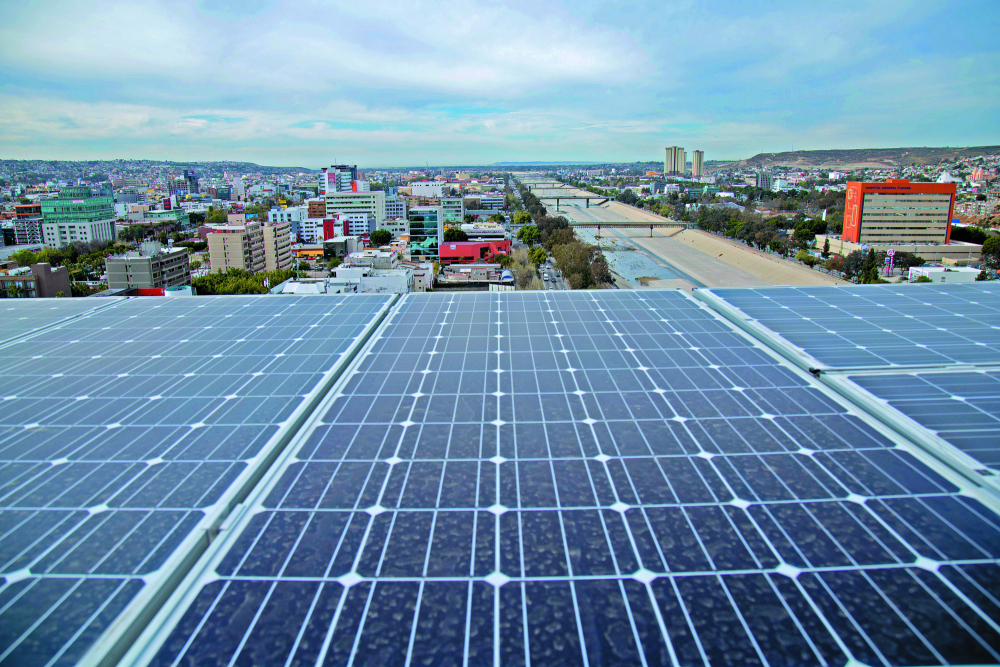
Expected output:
(390, 83)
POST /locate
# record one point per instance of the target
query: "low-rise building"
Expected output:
(37, 281)
(341, 246)
(151, 266)
(386, 281)
(469, 252)
(398, 227)
(945, 274)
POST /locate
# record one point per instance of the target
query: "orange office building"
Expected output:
(898, 212)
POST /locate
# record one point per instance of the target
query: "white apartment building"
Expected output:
(357, 202)
(359, 224)
(311, 229)
(485, 202)
(427, 189)
(290, 214)
(394, 208)
(398, 226)
(58, 234)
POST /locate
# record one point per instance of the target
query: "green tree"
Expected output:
(826, 248)
(381, 237)
(239, 281)
(538, 256)
(923, 279)
(529, 234)
(869, 270)
(304, 265)
(991, 252)
(454, 234)
(60, 293)
(853, 264)
(522, 218)
(24, 257)
(216, 216)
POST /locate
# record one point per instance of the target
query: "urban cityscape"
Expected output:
(510, 334)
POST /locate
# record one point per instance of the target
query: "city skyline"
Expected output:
(395, 85)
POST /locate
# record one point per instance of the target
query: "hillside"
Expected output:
(865, 157)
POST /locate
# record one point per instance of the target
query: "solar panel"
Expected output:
(22, 316)
(606, 477)
(127, 435)
(961, 408)
(873, 326)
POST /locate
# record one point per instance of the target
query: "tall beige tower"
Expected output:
(697, 164)
(675, 161)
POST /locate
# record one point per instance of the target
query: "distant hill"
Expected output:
(865, 157)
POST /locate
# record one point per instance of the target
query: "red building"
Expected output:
(471, 252)
(898, 212)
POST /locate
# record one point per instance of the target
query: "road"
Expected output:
(671, 258)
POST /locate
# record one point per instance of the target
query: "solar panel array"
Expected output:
(22, 316)
(592, 478)
(961, 408)
(875, 326)
(942, 339)
(124, 435)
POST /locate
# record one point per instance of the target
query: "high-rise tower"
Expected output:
(675, 161)
(697, 164)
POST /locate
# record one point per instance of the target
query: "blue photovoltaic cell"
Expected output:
(122, 430)
(603, 478)
(21, 316)
(962, 408)
(872, 326)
